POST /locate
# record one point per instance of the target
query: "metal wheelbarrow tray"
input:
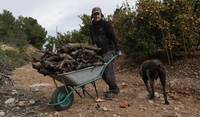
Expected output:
(62, 97)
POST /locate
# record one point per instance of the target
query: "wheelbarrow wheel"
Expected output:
(61, 99)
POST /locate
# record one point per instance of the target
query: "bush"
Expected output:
(171, 26)
(5, 68)
(15, 59)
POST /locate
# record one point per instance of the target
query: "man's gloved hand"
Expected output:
(119, 52)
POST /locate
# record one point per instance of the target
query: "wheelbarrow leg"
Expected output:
(77, 92)
(94, 84)
(55, 83)
(86, 92)
(83, 89)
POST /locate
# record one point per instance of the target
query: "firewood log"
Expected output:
(72, 56)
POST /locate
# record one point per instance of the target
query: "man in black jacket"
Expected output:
(103, 36)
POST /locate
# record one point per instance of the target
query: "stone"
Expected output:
(124, 104)
(151, 101)
(22, 103)
(157, 94)
(38, 86)
(10, 101)
(105, 109)
(14, 92)
(32, 101)
(2, 113)
(99, 100)
(56, 114)
(124, 85)
(115, 115)
(177, 114)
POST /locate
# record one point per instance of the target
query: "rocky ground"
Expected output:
(32, 91)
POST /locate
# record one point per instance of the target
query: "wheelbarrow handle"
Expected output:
(107, 63)
(112, 58)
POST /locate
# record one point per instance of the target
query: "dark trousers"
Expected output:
(109, 74)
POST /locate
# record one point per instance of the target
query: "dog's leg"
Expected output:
(162, 76)
(150, 78)
(152, 95)
(145, 79)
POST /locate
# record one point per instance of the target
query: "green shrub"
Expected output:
(153, 26)
(16, 59)
(5, 68)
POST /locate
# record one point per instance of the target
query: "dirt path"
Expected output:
(184, 101)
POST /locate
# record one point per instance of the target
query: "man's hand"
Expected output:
(119, 52)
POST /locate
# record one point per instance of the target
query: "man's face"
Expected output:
(97, 16)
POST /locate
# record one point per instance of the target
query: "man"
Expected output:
(103, 36)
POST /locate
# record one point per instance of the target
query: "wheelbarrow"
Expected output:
(63, 96)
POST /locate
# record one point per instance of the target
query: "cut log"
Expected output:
(72, 56)
(83, 45)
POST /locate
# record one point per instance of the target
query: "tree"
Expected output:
(35, 33)
(7, 21)
(171, 25)
(84, 28)
(76, 36)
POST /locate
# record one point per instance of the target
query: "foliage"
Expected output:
(10, 30)
(153, 28)
(15, 59)
(34, 32)
(21, 31)
(171, 26)
(18, 33)
(5, 65)
(75, 36)
(5, 68)
(84, 28)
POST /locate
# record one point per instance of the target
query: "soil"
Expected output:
(183, 87)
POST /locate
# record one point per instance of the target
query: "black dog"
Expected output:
(151, 70)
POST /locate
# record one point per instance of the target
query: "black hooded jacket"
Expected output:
(103, 36)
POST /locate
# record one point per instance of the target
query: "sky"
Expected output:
(60, 15)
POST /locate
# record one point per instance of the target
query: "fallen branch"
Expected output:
(8, 77)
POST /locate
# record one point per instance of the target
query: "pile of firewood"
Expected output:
(70, 57)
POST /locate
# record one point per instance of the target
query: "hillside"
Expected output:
(183, 90)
